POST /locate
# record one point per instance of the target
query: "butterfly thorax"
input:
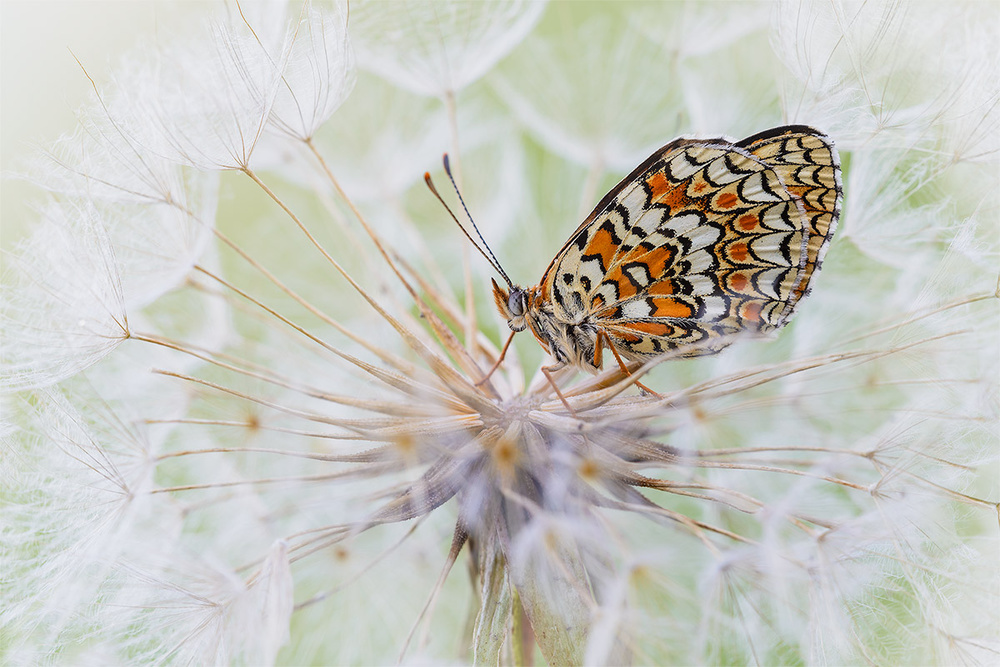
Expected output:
(571, 343)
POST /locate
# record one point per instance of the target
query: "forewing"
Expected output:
(705, 239)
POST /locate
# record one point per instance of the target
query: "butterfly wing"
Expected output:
(808, 165)
(703, 240)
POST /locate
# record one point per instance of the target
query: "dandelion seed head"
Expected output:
(290, 452)
(434, 48)
(318, 72)
(63, 305)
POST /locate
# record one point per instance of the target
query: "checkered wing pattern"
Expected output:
(705, 239)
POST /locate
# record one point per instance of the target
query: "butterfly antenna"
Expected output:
(488, 254)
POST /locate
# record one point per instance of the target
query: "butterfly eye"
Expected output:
(517, 302)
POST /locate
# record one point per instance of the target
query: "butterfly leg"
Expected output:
(503, 353)
(603, 338)
(547, 370)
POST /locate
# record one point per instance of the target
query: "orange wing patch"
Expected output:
(662, 287)
(750, 311)
(658, 186)
(652, 328)
(637, 270)
(727, 200)
(602, 245)
(672, 195)
(656, 260)
(738, 282)
(669, 307)
(738, 251)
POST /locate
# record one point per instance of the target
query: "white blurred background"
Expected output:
(41, 85)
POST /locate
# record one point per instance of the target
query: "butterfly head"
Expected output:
(513, 305)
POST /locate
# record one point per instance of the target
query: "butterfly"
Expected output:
(706, 239)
